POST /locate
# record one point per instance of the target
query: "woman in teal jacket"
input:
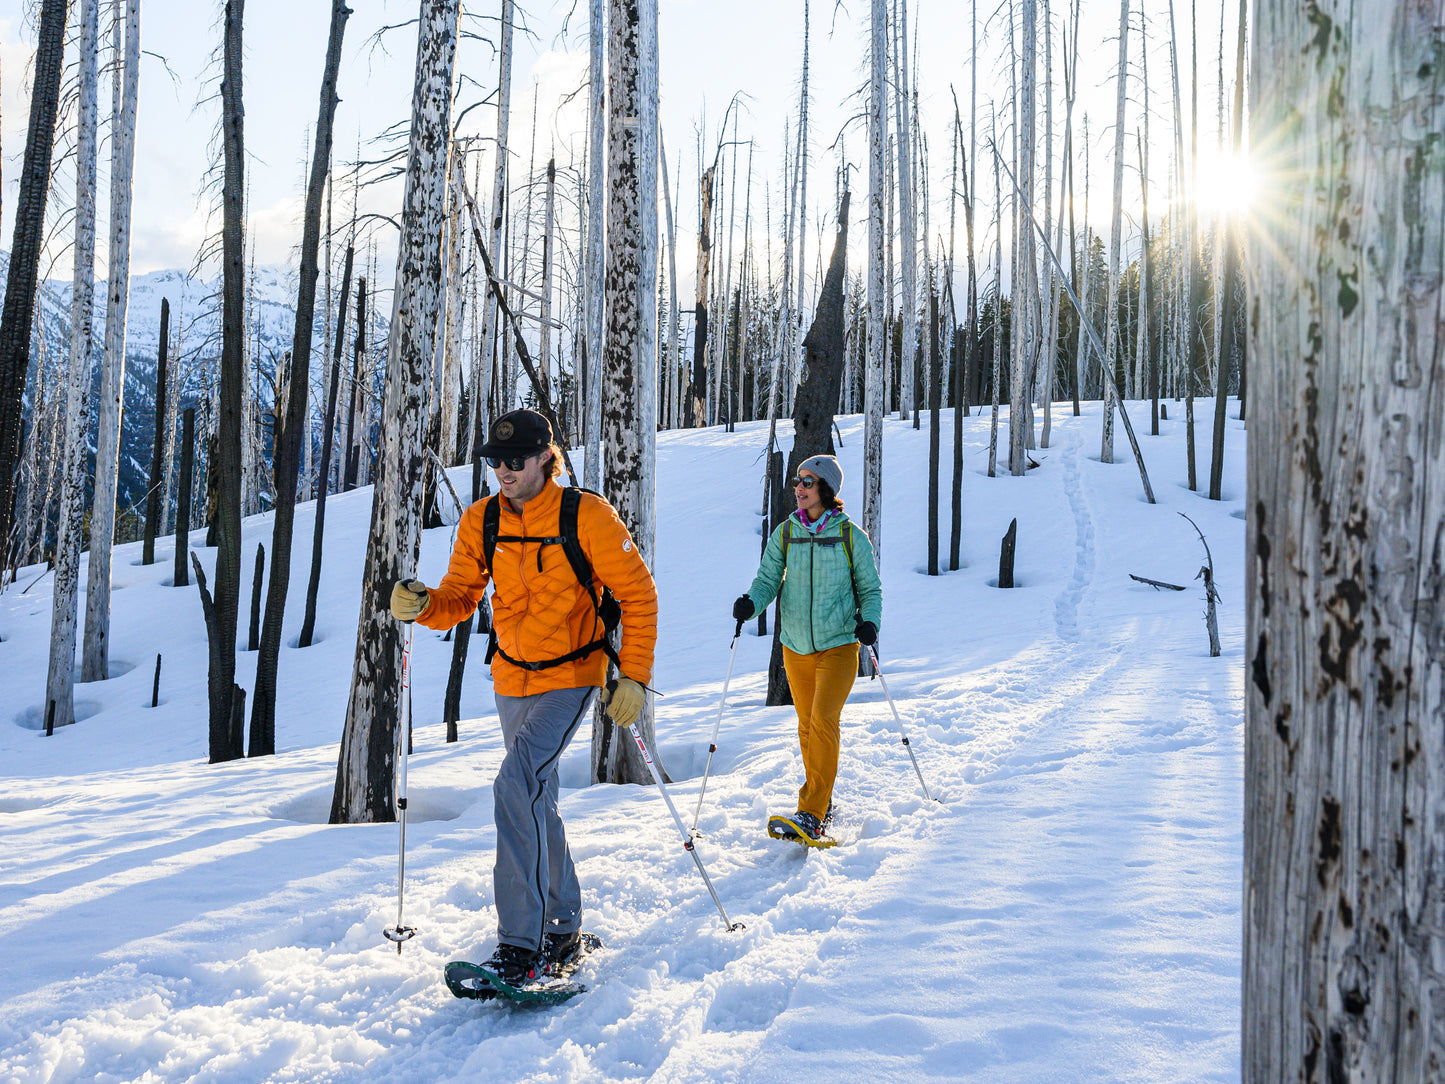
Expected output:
(831, 599)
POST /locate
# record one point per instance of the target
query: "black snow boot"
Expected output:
(808, 824)
(560, 948)
(515, 965)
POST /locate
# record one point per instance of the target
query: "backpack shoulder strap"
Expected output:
(571, 544)
(491, 520)
(852, 574)
(606, 606)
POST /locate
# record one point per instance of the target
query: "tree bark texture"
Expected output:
(286, 462)
(60, 678)
(225, 466)
(629, 360)
(22, 278)
(365, 764)
(823, 349)
(110, 406)
(1344, 845)
(697, 385)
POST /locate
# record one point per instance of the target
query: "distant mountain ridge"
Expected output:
(195, 316)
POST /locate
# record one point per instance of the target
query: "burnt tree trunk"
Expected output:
(323, 473)
(182, 576)
(293, 429)
(935, 432)
(365, 765)
(225, 466)
(258, 579)
(824, 354)
(697, 389)
(351, 463)
(22, 279)
(154, 495)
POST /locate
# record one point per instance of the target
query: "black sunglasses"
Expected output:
(514, 463)
(806, 483)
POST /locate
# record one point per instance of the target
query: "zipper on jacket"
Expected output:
(812, 580)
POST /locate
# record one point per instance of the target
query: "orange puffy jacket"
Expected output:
(539, 609)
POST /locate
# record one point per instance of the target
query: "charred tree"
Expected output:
(22, 277)
(183, 497)
(313, 584)
(225, 466)
(60, 680)
(154, 494)
(287, 455)
(366, 761)
(629, 362)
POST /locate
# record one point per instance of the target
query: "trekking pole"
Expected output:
(686, 839)
(712, 745)
(879, 671)
(400, 933)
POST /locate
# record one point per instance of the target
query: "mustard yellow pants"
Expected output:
(820, 683)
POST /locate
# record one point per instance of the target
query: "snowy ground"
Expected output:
(1070, 910)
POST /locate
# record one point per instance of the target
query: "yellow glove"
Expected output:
(623, 700)
(408, 599)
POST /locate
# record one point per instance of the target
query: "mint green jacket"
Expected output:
(821, 596)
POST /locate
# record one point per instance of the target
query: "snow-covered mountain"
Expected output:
(195, 331)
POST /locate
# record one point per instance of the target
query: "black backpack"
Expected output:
(608, 612)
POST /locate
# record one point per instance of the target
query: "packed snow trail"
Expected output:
(1068, 911)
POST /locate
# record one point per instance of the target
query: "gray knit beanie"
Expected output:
(825, 467)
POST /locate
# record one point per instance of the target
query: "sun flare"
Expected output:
(1225, 183)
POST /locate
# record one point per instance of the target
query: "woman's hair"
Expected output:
(554, 465)
(828, 497)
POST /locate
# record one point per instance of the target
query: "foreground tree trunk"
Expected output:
(225, 466)
(286, 464)
(22, 277)
(629, 374)
(1344, 921)
(59, 690)
(95, 659)
(366, 762)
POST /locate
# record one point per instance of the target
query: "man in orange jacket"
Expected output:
(548, 659)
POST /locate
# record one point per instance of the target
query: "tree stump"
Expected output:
(1006, 555)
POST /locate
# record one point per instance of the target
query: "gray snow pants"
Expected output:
(534, 880)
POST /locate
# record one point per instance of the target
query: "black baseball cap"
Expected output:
(517, 432)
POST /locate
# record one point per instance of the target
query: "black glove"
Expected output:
(867, 632)
(743, 608)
